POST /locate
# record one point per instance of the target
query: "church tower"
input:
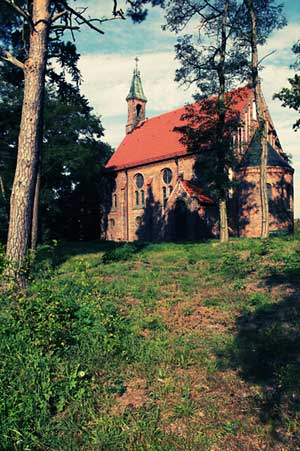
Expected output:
(136, 101)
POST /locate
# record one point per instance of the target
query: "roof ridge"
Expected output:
(240, 88)
(155, 139)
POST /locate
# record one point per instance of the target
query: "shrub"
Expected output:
(125, 252)
(53, 343)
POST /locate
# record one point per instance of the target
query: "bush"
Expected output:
(125, 252)
(53, 343)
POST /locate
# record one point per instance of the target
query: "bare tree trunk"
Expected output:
(35, 214)
(21, 203)
(262, 123)
(222, 149)
(223, 221)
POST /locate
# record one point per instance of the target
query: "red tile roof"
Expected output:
(196, 191)
(155, 139)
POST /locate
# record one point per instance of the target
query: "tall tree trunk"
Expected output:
(35, 213)
(221, 142)
(21, 203)
(262, 123)
(223, 221)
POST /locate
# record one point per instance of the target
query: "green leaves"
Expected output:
(290, 97)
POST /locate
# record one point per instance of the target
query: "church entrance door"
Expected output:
(181, 221)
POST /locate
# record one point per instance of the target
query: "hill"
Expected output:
(158, 347)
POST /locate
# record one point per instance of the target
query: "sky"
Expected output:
(107, 63)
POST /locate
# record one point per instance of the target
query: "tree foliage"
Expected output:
(72, 181)
(290, 97)
(43, 23)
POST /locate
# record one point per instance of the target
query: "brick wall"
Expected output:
(280, 203)
(153, 196)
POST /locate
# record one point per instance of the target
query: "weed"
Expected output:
(217, 361)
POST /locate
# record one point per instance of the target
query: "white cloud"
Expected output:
(107, 80)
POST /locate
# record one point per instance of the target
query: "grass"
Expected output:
(154, 347)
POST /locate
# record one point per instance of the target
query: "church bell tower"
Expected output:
(136, 101)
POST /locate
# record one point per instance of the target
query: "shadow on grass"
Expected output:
(266, 352)
(52, 255)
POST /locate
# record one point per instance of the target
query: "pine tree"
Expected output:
(212, 62)
(45, 20)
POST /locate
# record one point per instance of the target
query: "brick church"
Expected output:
(156, 193)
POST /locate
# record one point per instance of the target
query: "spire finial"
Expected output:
(136, 64)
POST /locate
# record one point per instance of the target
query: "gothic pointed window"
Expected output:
(167, 177)
(139, 193)
(165, 198)
(139, 180)
(289, 196)
(115, 201)
(142, 197)
(138, 109)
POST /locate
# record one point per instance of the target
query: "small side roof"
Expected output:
(252, 156)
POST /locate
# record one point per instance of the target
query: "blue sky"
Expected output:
(107, 63)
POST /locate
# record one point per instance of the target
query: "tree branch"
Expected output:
(6, 56)
(19, 10)
(81, 19)
(65, 27)
(266, 56)
(58, 16)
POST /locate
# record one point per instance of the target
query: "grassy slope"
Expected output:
(204, 356)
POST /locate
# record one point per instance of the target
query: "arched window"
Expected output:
(111, 223)
(138, 109)
(254, 117)
(115, 201)
(139, 180)
(164, 191)
(139, 193)
(269, 191)
(167, 176)
(138, 221)
(289, 196)
(142, 197)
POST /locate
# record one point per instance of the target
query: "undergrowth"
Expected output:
(153, 347)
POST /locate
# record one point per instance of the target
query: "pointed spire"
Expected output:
(136, 89)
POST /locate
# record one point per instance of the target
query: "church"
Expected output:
(157, 195)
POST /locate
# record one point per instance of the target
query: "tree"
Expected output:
(10, 111)
(262, 17)
(225, 39)
(71, 175)
(290, 97)
(44, 18)
(213, 62)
